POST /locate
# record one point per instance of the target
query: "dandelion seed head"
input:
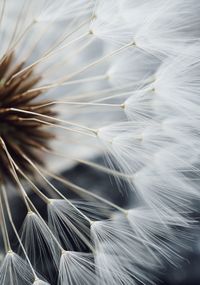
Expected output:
(110, 86)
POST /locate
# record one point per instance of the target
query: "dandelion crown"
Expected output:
(84, 79)
(20, 134)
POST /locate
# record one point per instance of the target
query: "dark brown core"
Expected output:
(23, 136)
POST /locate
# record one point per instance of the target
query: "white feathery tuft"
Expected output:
(77, 268)
(62, 10)
(170, 29)
(108, 25)
(40, 282)
(14, 270)
(135, 68)
(39, 242)
(68, 225)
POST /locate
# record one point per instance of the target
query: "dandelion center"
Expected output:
(22, 135)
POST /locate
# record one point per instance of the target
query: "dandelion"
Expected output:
(81, 79)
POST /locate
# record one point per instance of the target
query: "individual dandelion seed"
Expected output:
(80, 79)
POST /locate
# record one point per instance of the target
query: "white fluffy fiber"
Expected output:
(128, 81)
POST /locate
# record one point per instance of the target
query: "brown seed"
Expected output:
(21, 133)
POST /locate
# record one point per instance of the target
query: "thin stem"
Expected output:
(94, 165)
(53, 236)
(58, 126)
(80, 189)
(54, 188)
(60, 102)
(48, 55)
(106, 91)
(4, 226)
(2, 11)
(23, 34)
(35, 188)
(56, 66)
(98, 61)
(57, 44)
(16, 233)
(44, 223)
(16, 27)
(1, 18)
(58, 84)
(11, 161)
(54, 119)
(126, 93)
